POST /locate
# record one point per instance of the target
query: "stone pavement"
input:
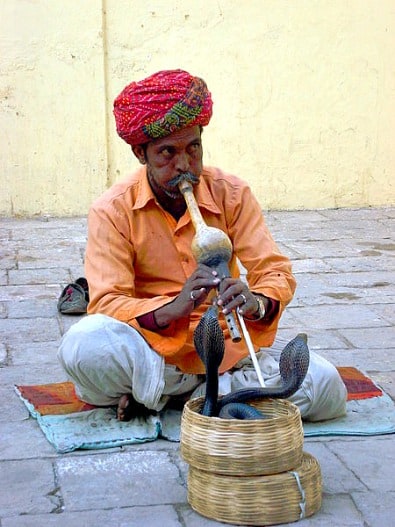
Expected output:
(343, 260)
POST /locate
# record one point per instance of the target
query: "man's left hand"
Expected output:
(234, 293)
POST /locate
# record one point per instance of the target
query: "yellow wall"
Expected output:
(304, 105)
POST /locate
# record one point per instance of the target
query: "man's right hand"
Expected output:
(194, 293)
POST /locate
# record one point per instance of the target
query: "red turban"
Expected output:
(160, 105)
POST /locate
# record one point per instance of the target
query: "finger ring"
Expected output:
(191, 296)
(244, 298)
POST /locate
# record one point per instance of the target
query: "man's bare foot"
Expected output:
(129, 408)
(123, 412)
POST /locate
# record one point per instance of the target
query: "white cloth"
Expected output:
(106, 358)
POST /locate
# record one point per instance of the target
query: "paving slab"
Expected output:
(310, 265)
(35, 353)
(371, 338)
(123, 480)
(8, 260)
(3, 355)
(381, 360)
(37, 329)
(66, 321)
(317, 339)
(40, 373)
(39, 276)
(352, 317)
(23, 292)
(37, 259)
(3, 277)
(376, 472)
(23, 439)
(193, 519)
(378, 508)
(31, 308)
(27, 487)
(386, 380)
(370, 261)
(386, 311)
(337, 477)
(153, 516)
(9, 413)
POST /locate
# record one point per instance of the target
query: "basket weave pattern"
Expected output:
(250, 472)
(231, 446)
(257, 500)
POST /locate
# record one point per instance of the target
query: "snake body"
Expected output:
(210, 346)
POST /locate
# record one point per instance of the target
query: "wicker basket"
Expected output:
(257, 500)
(236, 447)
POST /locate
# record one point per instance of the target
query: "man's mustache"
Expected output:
(185, 176)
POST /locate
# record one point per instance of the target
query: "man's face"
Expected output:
(170, 156)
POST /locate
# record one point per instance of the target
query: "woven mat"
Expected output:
(358, 385)
(71, 424)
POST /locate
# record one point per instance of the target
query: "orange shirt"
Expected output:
(138, 258)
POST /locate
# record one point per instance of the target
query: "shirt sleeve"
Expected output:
(269, 272)
(111, 277)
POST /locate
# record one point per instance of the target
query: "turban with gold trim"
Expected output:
(160, 105)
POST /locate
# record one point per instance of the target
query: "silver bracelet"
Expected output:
(261, 310)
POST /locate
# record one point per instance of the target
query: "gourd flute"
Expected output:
(210, 246)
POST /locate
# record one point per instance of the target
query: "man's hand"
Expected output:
(194, 293)
(235, 293)
(197, 287)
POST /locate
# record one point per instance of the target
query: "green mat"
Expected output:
(99, 428)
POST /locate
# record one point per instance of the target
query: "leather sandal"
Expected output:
(74, 298)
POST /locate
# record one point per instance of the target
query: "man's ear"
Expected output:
(139, 152)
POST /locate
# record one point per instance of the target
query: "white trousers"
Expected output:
(106, 358)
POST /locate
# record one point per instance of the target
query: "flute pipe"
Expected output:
(250, 347)
(232, 327)
(186, 190)
(223, 272)
(210, 246)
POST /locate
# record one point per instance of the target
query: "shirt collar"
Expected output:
(204, 196)
(144, 193)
